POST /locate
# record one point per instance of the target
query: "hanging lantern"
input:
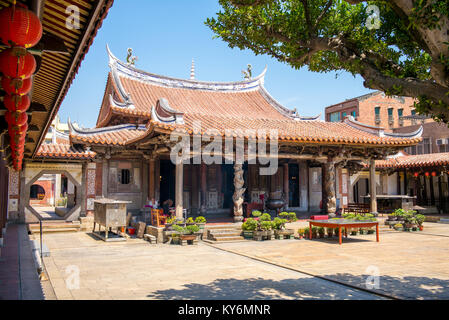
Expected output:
(17, 131)
(15, 103)
(17, 63)
(427, 174)
(416, 174)
(434, 174)
(18, 119)
(19, 27)
(16, 86)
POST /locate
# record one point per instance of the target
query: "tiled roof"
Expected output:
(63, 151)
(415, 161)
(219, 106)
(117, 135)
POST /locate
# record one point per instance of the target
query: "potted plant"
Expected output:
(267, 228)
(314, 232)
(398, 227)
(420, 218)
(330, 232)
(321, 232)
(175, 236)
(371, 231)
(190, 221)
(292, 217)
(169, 224)
(189, 232)
(256, 214)
(201, 222)
(248, 228)
(303, 233)
(353, 232)
(279, 229)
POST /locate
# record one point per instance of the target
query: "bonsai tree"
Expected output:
(279, 224)
(191, 229)
(200, 219)
(249, 225)
(190, 220)
(284, 215)
(256, 214)
(321, 232)
(265, 217)
(178, 229)
(292, 217)
(420, 218)
(266, 225)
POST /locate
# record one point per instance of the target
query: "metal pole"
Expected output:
(40, 227)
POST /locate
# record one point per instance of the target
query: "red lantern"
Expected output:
(19, 27)
(17, 131)
(17, 141)
(17, 63)
(434, 174)
(427, 174)
(18, 119)
(15, 103)
(416, 174)
(16, 86)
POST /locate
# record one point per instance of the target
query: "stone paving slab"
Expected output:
(411, 265)
(137, 270)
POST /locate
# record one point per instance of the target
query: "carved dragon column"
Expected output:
(238, 193)
(329, 187)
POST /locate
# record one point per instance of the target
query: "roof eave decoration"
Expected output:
(120, 68)
(162, 112)
(412, 135)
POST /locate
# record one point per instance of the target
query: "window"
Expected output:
(377, 114)
(335, 117)
(424, 147)
(400, 114)
(443, 145)
(125, 176)
(343, 115)
(413, 114)
(390, 116)
(354, 114)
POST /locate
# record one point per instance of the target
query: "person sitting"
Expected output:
(166, 205)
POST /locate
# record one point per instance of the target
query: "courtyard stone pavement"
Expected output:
(412, 265)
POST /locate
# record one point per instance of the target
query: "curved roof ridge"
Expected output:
(140, 75)
(83, 131)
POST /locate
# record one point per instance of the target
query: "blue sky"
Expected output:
(166, 35)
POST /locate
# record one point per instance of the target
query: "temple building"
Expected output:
(129, 154)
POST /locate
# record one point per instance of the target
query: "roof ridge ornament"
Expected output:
(162, 112)
(192, 70)
(122, 69)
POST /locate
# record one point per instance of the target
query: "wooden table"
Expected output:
(343, 223)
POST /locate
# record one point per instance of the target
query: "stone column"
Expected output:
(105, 178)
(329, 188)
(57, 188)
(238, 193)
(152, 178)
(203, 189)
(373, 191)
(83, 189)
(179, 188)
(286, 186)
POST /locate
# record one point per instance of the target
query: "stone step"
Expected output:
(230, 238)
(55, 226)
(444, 221)
(56, 230)
(225, 234)
(220, 226)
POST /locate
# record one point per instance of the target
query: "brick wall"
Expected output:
(432, 130)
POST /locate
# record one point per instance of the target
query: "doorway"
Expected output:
(293, 188)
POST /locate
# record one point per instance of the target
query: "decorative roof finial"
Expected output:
(192, 70)
(130, 59)
(248, 73)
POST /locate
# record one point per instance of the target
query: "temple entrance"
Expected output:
(227, 171)
(361, 189)
(167, 186)
(293, 189)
